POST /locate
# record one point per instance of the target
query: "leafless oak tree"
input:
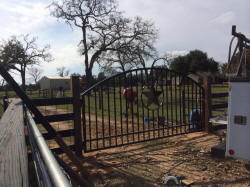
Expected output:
(20, 52)
(35, 73)
(136, 52)
(62, 71)
(106, 33)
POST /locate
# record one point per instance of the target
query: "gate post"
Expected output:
(207, 89)
(75, 84)
(5, 102)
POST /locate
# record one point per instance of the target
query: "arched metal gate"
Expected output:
(141, 105)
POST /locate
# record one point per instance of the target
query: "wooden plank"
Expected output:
(56, 118)
(52, 101)
(217, 106)
(13, 151)
(218, 121)
(77, 114)
(187, 182)
(218, 95)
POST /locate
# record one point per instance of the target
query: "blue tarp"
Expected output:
(194, 118)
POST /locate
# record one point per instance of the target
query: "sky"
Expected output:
(183, 25)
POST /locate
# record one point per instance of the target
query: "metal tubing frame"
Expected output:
(43, 178)
(242, 45)
(54, 169)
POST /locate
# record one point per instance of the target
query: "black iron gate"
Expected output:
(140, 105)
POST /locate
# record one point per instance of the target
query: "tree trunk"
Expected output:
(23, 80)
(89, 77)
(6, 90)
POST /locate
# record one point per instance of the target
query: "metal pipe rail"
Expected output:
(239, 35)
(43, 153)
(242, 46)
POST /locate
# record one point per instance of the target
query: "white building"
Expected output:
(54, 82)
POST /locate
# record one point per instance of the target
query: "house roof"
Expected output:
(57, 77)
(195, 77)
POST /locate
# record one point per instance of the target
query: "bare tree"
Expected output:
(62, 71)
(19, 53)
(136, 52)
(2, 82)
(136, 59)
(35, 73)
(104, 29)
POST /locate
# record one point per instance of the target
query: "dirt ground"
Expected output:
(146, 164)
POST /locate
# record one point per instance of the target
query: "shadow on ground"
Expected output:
(146, 164)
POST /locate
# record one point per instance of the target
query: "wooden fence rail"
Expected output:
(75, 115)
(57, 117)
(219, 95)
(52, 101)
(13, 150)
(218, 106)
(210, 105)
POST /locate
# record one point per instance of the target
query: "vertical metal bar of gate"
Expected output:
(162, 106)
(132, 107)
(157, 85)
(137, 108)
(167, 88)
(153, 117)
(103, 133)
(108, 97)
(96, 122)
(180, 104)
(147, 111)
(89, 122)
(175, 97)
(143, 121)
(126, 103)
(171, 101)
(190, 102)
(114, 94)
(84, 124)
(120, 98)
(184, 103)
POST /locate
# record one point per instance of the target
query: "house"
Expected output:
(176, 80)
(55, 82)
(195, 77)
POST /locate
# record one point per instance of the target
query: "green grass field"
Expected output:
(113, 101)
(114, 104)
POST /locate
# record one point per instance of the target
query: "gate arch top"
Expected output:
(121, 74)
